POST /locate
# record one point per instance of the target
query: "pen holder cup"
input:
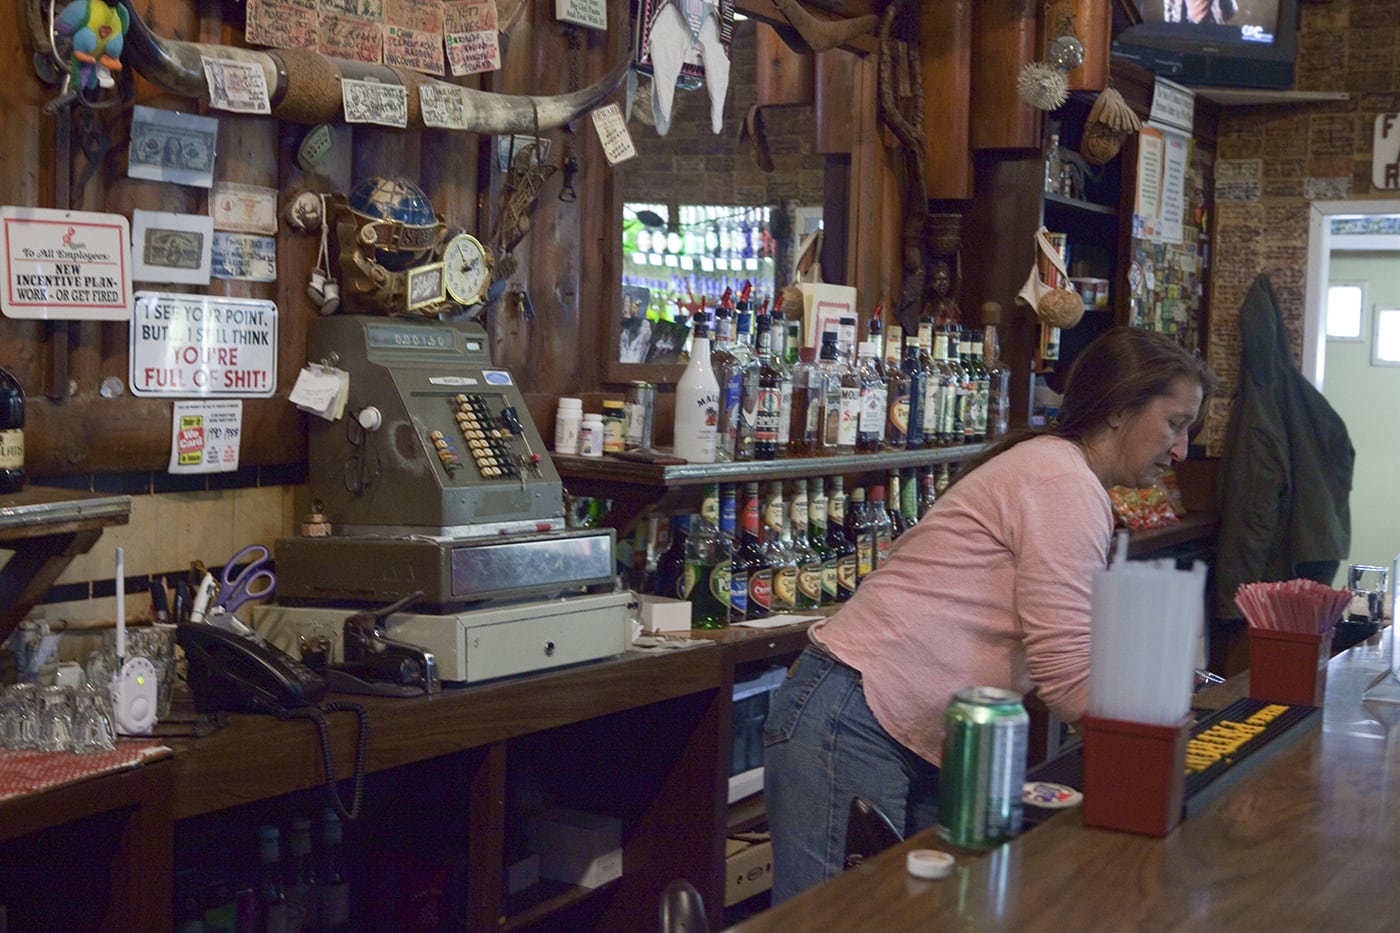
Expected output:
(1134, 774)
(1289, 667)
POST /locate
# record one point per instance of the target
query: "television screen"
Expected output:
(1236, 43)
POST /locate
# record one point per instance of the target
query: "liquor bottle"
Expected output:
(816, 534)
(917, 379)
(894, 345)
(768, 411)
(741, 381)
(751, 559)
(860, 529)
(870, 430)
(908, 498)
(952, 427)
(783, 339)
(932, 397)
(11, 433)
(272, 897)
(697, 403)
(967, 389)
(299, 878)
(983, 389)
(897, 404)
(706, 549)
(998, 373)
(928, 490)
(805, 413)
(332, 886)
(808, 557)
(777, 548)
(883, 523)
(945, 479)
(875, 333)
(723, 356)
(840, 542)
(729, 570)
(849, 425)
(670, 563)
(828, 383)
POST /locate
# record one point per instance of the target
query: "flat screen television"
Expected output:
(1235, 43)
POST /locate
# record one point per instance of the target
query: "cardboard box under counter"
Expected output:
(576, 847)
(748, 867)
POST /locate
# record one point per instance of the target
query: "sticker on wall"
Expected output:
(244, 257)
(205, 436)
(1385, 153)
(190, 346)
(65, 265)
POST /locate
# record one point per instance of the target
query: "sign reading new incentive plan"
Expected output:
(203, 346)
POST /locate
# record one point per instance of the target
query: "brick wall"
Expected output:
(692, 165)
(1300, 153)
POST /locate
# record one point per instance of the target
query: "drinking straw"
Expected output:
(1297, 605)
(1146, 618)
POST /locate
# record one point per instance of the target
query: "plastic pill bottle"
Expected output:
(590, 435)
(568, 418)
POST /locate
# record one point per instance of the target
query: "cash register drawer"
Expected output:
(487, 643)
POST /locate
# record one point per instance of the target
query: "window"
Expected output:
(1385, 351)
(1345, 301)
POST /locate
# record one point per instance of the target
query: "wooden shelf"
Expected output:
(1193, 527)
(1253, 97)
(1080, 205)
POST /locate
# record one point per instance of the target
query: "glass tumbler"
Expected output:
(93, 728)
(56, 718)
(157, 643)
(22, 726)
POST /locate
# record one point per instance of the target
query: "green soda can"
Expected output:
(984, 767)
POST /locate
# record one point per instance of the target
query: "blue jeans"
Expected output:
(822, 747)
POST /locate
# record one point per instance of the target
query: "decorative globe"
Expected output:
(405, 226)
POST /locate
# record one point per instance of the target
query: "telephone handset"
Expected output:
(244, 673)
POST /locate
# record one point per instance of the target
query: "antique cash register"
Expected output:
(436, 480)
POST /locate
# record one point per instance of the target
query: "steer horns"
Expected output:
(304, 86)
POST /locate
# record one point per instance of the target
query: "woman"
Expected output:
(991, 587)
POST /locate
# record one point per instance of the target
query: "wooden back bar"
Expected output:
(1303, 840)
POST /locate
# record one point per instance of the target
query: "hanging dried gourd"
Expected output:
(1110, 122)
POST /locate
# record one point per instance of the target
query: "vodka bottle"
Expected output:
(768, 413)
(883, 523)
(870, 429)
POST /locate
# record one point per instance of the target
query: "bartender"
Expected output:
(991, 587)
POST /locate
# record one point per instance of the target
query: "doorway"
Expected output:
(1358, 242)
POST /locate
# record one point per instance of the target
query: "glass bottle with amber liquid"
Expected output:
(706, 549)
(11, 433)
(841, 543)
(805, 414)
(932, 398)
(807, 556)
(751, 561)
(817, 534)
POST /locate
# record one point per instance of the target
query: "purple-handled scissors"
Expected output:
(254, 582)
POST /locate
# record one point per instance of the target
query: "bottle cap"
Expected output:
(571, 404)
(929, 863)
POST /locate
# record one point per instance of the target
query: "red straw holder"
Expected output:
(1289, 667)
(1134, 774)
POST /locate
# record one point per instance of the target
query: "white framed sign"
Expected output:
(590, 13)
(203, 346)
(65, 265)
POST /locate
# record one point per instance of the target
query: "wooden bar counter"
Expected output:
(1304, 840)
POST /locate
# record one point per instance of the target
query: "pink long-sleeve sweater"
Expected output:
(991, 587)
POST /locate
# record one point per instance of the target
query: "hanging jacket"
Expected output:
(1286, 472)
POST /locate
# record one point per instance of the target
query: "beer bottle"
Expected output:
(861, 529)
(751, 560)
(670, 563)
(778, 549)
(840, 542)
(807, 555)
(706, 549)
(817, 534)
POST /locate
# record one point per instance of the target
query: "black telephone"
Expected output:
(243, 673)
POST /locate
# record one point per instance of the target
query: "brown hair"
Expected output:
(1122, 368)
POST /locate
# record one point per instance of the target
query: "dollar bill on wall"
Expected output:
(173, 147)
(243, 256)
(169, 247)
